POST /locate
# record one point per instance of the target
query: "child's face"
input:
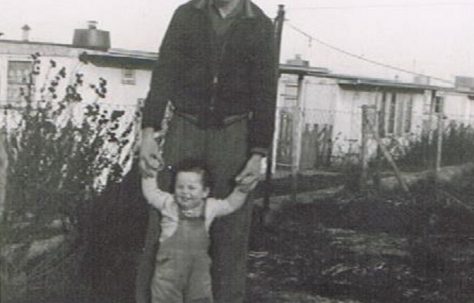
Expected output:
(189, 189)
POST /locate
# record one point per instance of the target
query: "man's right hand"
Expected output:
(149, 155)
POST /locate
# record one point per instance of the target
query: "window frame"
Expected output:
(396, 117)
(129, 79)
(23, 83)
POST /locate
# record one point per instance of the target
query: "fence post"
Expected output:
(296, 148)
(439, 143)
(364, 157)
(380, 124)
(388, 156)
(427, 152)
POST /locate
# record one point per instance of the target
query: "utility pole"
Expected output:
(278, 29)
(278, 25)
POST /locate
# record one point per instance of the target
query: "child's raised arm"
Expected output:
(155, 196)
(235, 199)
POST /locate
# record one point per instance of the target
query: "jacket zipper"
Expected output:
(215, 79)
(215, 82)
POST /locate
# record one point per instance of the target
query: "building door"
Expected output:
(285, 141)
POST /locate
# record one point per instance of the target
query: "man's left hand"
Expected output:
(252, 172)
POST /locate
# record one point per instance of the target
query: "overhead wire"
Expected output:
(375, 6)
(363, 58)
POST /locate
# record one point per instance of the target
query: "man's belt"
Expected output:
(205, 122)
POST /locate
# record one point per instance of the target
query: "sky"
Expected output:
(433, 37)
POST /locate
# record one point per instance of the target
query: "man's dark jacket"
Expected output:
(210, 83)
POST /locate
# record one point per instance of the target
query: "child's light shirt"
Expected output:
(165, 203)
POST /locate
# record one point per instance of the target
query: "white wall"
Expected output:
(347, 131)
(117, 92)
(119, 96)
(457, 107)
(320, 100)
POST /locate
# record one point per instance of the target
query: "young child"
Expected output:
(182, 272)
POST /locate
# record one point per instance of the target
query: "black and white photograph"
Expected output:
(237, 151)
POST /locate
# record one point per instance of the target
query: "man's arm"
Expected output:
(263, 89)
(264, 81)
(164, 73)
(158, 96)
(149, 153)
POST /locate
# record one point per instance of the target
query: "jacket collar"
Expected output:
(249, 11)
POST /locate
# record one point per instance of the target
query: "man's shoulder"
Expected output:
(258, 11)
(264, 22)
(193, 6)
(190, 5)
(186, 8)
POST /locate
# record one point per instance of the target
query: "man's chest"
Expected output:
(199, 38)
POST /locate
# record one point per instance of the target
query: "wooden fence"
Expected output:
(316, 144)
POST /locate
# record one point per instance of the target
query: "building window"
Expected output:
(437, 104)
(128, 76)
(17, 80)
(401, 106)
(141, 102)
(396, 114)
(291, 91)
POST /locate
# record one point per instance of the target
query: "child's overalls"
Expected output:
(182, 270)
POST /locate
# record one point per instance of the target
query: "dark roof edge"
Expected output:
(37, 43)
(113, 52)
(366, 81)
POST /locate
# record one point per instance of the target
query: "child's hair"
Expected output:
(193, 165)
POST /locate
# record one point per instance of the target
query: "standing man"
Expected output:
(216, 67)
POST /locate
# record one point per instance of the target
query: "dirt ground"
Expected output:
(359, 249)
(349, 249)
